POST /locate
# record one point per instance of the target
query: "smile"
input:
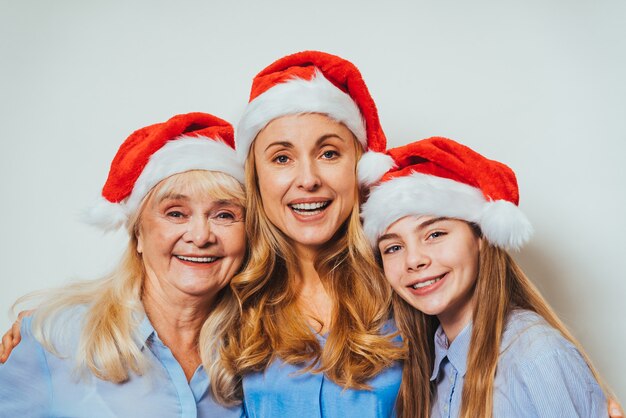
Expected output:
(309, 209)
(420, 285)
(196, 259)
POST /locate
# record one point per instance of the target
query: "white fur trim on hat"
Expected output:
(372, 166)
(502, 223)
(295, 96)
(105, 215)
(176, 156)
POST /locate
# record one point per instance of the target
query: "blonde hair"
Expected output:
(501, 287)
(272, 324)
(112, 305)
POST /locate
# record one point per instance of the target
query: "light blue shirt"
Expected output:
(36, 383)
(284, 391)
(539, 373)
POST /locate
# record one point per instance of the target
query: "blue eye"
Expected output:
(281, 159)
(329, 155)
(436, 234)
(225, 215)
(175, 214)
(392, 249)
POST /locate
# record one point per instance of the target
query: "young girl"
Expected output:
(476, 327)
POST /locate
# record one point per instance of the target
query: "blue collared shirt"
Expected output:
(283, 390)
(539, 373)
(36, 383)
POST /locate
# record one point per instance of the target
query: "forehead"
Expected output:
(302, 129)
(194, 192)
(410, 223)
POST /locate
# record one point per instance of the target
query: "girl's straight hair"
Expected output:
(500, 288)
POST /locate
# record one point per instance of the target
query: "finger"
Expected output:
(6, 343)
(615, 411)
(16, 333)
(22, 314)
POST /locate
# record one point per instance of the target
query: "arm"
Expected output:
(12, 337)
(25, 385)
(558, 383)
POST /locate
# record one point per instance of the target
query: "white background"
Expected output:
(537, 84)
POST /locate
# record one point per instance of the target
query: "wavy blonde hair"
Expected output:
(113, 310)
(272, 324)
(501, 287)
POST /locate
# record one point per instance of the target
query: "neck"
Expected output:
(177, 320)
(313, 298)
(454, 320)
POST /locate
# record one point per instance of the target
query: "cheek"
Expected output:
(235, 241)
(272, 184)
(392, 273)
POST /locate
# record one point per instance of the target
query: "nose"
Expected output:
(199, 232)
(416, 258)
(309, 176)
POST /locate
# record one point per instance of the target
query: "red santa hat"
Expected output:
(440, 177)
(317, 82)
(192, 141)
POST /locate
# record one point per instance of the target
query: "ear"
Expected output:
(481, 244)
(139, 241)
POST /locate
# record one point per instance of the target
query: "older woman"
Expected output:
(128, 344)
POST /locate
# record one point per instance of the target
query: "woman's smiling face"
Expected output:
(432, 263)
(191, 244)
(306, 171)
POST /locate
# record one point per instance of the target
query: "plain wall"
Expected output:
(537, 84)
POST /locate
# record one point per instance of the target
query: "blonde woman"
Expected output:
(482, 341)
(315, 337)
(128, 344)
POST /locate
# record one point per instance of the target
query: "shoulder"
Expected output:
(539, 366)
(391, 329)
(529, 342)
(528, 336)
(25, 377)
(60, 329)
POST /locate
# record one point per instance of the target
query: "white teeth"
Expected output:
(426, 283)
(309, 206)
(197, 259)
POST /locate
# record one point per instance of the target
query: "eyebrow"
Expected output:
(173, 196)
(420, 227)
(288, 144)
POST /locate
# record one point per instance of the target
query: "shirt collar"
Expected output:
(145, 332)
(455, 352)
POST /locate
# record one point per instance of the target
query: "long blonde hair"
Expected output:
(272, 325)
(500, 288)
(112, 309)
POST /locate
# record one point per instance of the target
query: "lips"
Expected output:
(424, 284)
(199, 260)
(310, 208)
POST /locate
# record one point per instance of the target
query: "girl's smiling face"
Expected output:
(432, 263)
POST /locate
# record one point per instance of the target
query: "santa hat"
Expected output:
(440, 177)
(317, 82)
(192, 141)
